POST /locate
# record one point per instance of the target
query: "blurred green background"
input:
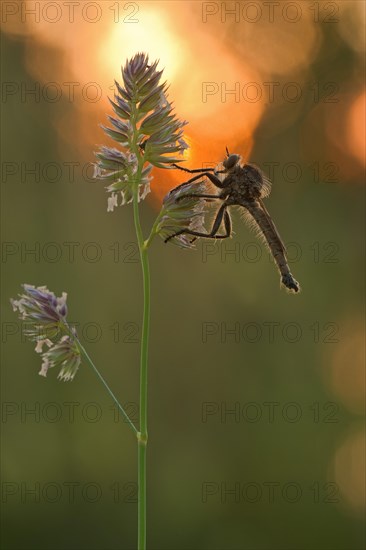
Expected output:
(285, 471)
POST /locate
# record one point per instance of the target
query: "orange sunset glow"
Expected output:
(219, 80)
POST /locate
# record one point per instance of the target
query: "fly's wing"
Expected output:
(266, 186)
(257, 180)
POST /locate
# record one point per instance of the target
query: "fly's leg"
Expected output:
(195, 178)
(227, 224)
(199, 196)
(221, 214)
(203, 172)
(193, 171)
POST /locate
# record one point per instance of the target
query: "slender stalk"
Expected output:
(153, 230)
(125, 415)
(142, 436)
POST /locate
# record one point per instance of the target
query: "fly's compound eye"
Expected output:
(231, 161)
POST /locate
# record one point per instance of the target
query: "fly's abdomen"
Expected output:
(268, 231)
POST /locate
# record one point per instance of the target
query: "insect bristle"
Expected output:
(266, 186)
(253, 226)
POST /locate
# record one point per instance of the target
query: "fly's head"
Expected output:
(231, 162)
(230, 165)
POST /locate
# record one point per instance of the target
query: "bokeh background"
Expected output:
(286, 469)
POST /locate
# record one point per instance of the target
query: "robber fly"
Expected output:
(244, 185)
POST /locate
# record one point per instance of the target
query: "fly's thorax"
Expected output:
(244, 183)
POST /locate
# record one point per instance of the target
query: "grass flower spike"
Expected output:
(147, 129)
(44, 317)
(182, 210)
(66, 355)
